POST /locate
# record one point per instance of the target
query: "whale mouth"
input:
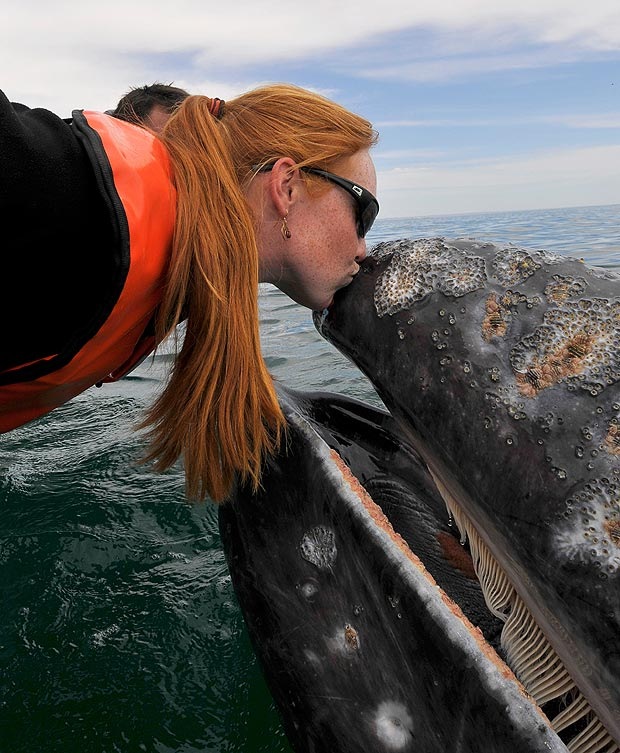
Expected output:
(515, 636)
(358, 572)
(361, 646)
(522, 644)
(526, 649)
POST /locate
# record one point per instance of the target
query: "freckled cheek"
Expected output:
(339, 244)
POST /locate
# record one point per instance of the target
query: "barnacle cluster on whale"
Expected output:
(429, 266)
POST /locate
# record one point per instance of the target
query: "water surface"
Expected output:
(119, 628)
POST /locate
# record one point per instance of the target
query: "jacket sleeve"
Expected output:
(57, 259)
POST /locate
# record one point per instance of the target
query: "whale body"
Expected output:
(362, 606)
(501, 367)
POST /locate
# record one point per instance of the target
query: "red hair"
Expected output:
(219, 410)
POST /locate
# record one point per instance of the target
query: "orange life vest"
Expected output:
(134, 175)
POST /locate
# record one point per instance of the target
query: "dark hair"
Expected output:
(136, 105)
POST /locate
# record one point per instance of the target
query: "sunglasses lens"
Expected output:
(366, 218)
(367, 207)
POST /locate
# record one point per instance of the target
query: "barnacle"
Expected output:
(418, 268)
(578, 343)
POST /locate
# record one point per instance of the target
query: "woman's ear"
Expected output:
(283, 178)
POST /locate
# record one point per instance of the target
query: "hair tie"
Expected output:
(216, 108)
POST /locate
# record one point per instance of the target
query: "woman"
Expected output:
(117, 235)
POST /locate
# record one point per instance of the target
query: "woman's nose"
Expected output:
(361, 251)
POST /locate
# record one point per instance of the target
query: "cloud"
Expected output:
(88, 54)
(96, 50)
(567, 120)
(563, 177)
(591, 120)
(389, 155)
(465, 66)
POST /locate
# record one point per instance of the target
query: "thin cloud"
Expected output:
(592, 120)
(555, 178)
(401, 155)
(561, 164)
(469, 65)
(568, 120)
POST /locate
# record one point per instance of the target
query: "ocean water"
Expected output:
(119, 628)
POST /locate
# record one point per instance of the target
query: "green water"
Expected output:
(119, 628)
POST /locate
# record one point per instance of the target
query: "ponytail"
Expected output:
(219, 410)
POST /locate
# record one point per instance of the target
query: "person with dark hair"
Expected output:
(117, 234)
(150, 105)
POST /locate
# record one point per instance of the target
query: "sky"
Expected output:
(480, 105)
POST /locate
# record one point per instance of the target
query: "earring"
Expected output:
(286, 233)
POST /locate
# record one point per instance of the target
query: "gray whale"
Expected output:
(361, 604)
(501, 366)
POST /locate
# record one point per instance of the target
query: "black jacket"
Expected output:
(58, 238)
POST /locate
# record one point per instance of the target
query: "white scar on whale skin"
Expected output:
(393, 725)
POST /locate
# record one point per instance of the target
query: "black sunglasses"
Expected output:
(366, 205)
